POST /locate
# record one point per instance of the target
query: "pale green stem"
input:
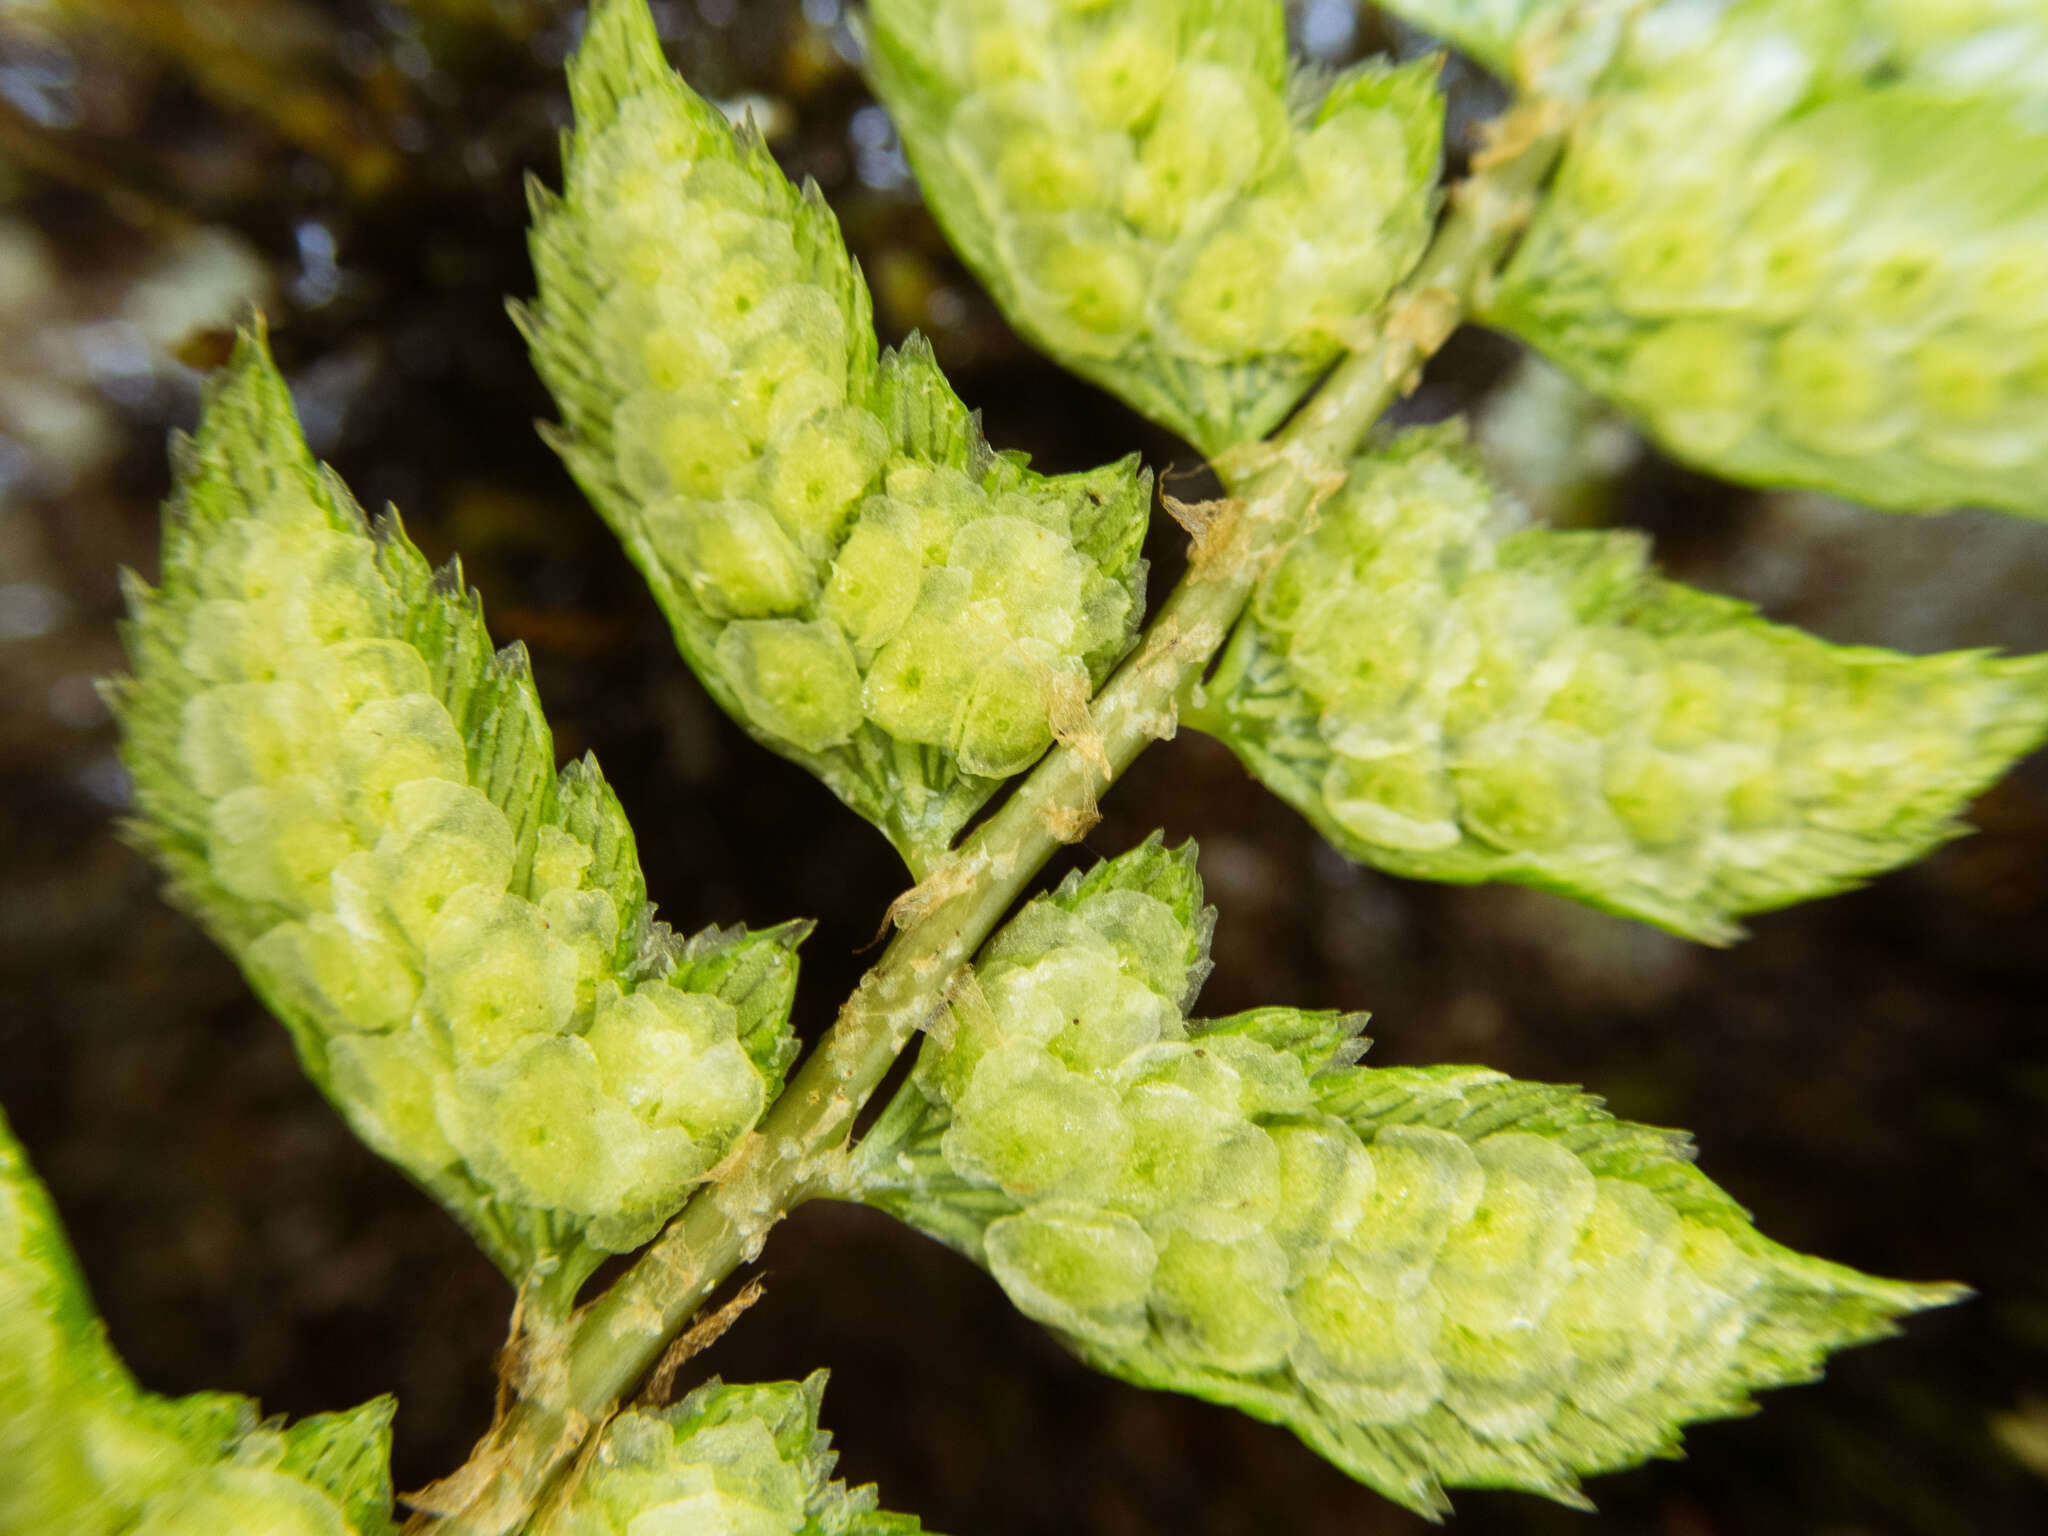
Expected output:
(570, 1387)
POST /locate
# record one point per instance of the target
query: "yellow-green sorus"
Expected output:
(856, 576)
(86, 1452)
(1805, 244)
(1450, 696)
(1154, 198)
(730, 1460)
(1435, 1276)
(359, 800)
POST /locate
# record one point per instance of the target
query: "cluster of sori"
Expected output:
(1434, 1275)
(1449, 697)
(855, 575)
(734, 1460)
(1154, 199)
(85, 1451)
(1803, 244)
(360, 801)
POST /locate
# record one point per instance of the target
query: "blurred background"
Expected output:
(1868, 1074)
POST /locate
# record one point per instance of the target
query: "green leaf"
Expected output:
(1320, 1039)
(1801, 244)
(856, 576)
(1964, 47)
(1448, 696)
(743, 1459)
(1154, 199)
(357, 797)
(1967, 47)
(1552, 46)
(1434, 1276)
(89, 1453)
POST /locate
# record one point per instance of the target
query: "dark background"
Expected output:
(1869, 1073)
